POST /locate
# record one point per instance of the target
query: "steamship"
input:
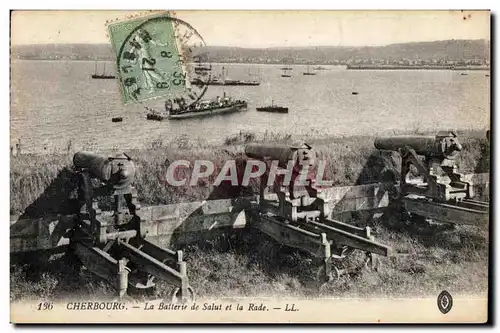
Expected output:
(223, 80)
(204, 108)
(273, 108)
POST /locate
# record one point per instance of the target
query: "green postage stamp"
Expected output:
(249, 166)
(149, 57)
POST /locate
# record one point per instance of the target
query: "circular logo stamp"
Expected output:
(160, 56)
(445, 302)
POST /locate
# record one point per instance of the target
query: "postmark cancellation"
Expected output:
(154, 56)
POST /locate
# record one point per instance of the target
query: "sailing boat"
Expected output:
(309, 71)
(202, 68)
(103, 75)
(285, 73)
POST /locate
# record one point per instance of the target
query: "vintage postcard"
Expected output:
(250, 166)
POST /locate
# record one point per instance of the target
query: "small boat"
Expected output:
(285, 73)
(487, 75)
(464, 74)
(117, 119)
(202, 69)
(155, 115)
(103, 75)
(309, 71)
(354, 92)
(286, 68)
(273, 108)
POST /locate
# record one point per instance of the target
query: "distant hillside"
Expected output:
(449, 50)
(63, 51)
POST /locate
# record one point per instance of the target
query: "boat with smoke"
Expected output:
(178, 109)
(273, 108)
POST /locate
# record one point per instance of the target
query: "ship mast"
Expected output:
(224, 73)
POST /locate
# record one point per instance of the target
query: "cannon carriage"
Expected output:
(299, 216)
(113, 245)
(440, 193)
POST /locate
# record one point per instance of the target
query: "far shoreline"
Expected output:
(330, 66)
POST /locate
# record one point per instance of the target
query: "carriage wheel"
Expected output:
(373, 262)
(324, 278)
(142, 284)
(176, 298)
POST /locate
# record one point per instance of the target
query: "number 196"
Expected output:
(45, 306)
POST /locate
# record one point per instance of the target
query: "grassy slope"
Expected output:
(254, 265)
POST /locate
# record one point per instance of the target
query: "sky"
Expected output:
(266, 28)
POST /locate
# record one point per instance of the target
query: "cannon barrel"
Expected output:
(118, 171)
(99, 167)
(300, 155)
(446, 146)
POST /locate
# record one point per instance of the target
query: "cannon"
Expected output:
(118, 172)
(440, 192)
(298, 216)
(441, 179)
(113, 245)
(293, 195)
